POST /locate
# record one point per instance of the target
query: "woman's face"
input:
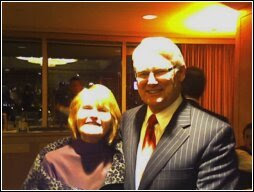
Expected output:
(93, 122)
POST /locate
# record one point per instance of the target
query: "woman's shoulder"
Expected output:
(53, 151)
(56, 144)
(115, 176)
(57, 155)
(37, 177)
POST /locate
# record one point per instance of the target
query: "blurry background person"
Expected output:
(244, 154)
(92, 159)
(8, 104)
(193, 87)
(64, 95)
(28, 97)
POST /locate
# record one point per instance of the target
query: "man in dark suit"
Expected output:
(193, 87)
(169, 144)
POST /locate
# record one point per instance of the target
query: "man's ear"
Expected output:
(181, 73)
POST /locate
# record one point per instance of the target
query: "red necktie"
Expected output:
(150, 139)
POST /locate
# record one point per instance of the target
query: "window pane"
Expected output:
(133, 98)
(21, 85)
(92, 62)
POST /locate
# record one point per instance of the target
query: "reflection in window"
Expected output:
(21, 83)
(89, 63)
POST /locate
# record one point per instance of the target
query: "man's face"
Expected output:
(159, 82)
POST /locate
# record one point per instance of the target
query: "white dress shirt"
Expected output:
(163, 118)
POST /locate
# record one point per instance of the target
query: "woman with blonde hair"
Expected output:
(92, 158)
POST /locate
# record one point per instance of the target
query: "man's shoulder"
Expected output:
(133, 110)
(199, 112)
(196, 105)
(218, 116)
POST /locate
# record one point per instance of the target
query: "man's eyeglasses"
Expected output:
(158, 73)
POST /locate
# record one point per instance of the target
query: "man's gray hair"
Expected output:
(159, 46)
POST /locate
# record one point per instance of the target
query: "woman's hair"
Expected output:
(101, 97)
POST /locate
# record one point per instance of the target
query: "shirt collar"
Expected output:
(165, 115)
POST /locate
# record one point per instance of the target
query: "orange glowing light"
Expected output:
(204, 18)
(213, 18)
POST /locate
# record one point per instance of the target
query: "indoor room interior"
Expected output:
(45, 44)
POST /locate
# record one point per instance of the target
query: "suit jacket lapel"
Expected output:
(133, 143)
(174, 136)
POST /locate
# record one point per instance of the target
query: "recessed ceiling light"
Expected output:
(52, 62)
(149, 17)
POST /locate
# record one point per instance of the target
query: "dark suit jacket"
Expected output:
(196, 151)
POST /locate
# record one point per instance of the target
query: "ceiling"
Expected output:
(120, 18)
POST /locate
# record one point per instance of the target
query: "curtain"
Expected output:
(217, 62)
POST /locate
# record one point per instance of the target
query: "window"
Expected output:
(21, 82)
(90, 62)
